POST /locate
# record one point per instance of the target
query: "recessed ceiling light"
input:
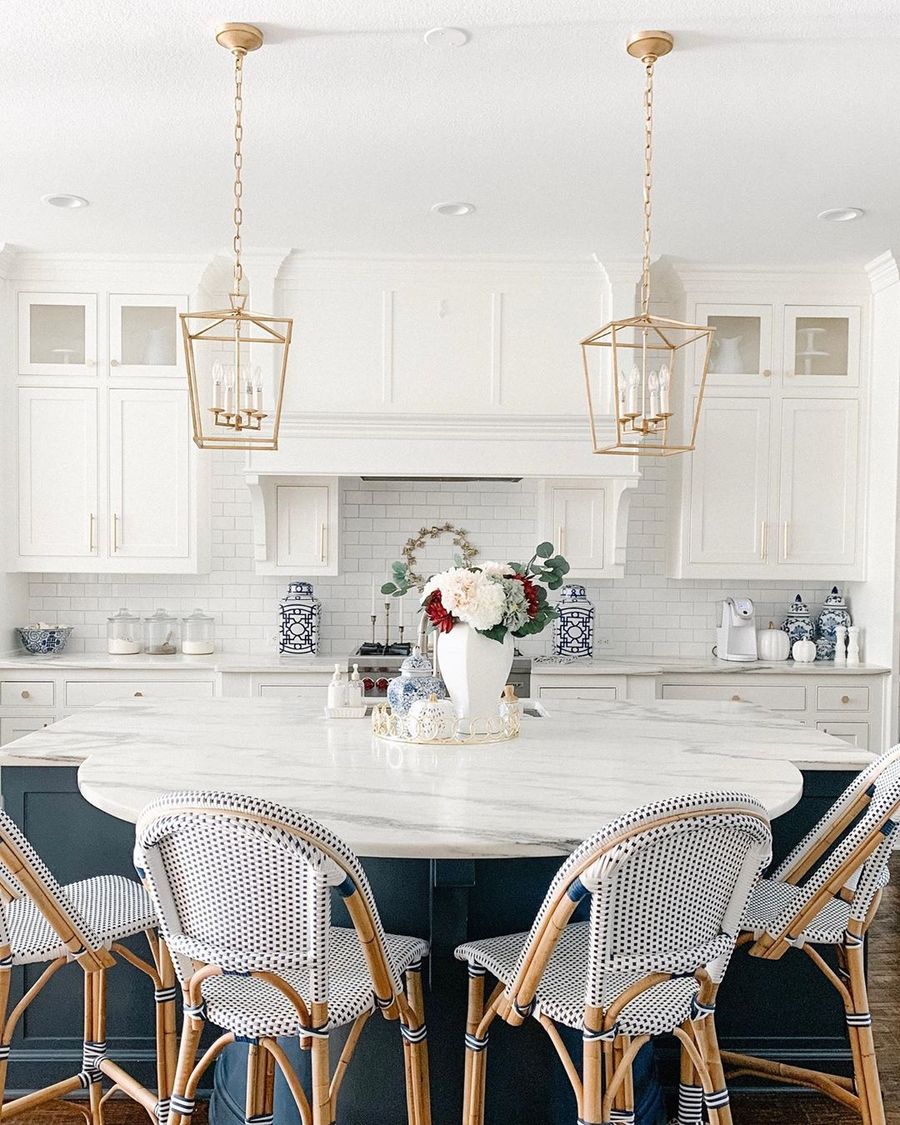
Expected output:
(453, 208)
(63, 200)
(841, 214)
(446, 37)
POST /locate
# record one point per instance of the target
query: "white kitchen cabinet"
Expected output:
(149, 474)
(58, 476)
(822, 345)
(729, 484)
(586, 519)
(296, 523)
(145, 334)
(742, 346)
(817, 494)
(58, 334)
(17, 726)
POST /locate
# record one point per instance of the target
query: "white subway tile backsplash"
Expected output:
(642, 614)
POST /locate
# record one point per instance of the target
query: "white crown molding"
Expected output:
(300, 266)
(166, 270)
(8, 255)
(718, 277)
(883, 271)
(562, 427)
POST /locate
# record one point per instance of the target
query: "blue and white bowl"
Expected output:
(44, 642)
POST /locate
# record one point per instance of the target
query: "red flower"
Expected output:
(442, 619)
(530, 594)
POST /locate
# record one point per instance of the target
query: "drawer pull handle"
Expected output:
(735, 699)
(845, 699)
(26, 694)
(138, 695)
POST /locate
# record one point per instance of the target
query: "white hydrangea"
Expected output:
(496, 569)
(472, 596)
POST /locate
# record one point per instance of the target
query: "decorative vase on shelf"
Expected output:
(834, 612)
(573, 629)
(298, 631)
(416, 683)
(798, 624)
(729, 360)
(475, 670)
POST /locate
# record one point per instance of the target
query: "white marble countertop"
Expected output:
(233, 662)
(568, 773)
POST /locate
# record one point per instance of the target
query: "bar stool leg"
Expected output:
(5, 975)
(623, 1107)
(476, 1050)
(859, 1030)
(181, 1107)
(718, 1101)
(418, 1050)
(690, 1092)
(321, 1071)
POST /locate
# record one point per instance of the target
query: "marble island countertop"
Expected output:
(572, 770)
(234, 662)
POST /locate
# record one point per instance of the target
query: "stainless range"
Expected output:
(378, 669)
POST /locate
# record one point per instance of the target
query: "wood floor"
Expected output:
(787, 1109)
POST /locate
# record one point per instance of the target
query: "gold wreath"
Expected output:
(417, 542)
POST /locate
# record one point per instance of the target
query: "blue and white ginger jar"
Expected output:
(573, 628)
(834, 612)
(299, 628)
(416, 681)
(798, 624)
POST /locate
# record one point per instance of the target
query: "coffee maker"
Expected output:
(736, 636)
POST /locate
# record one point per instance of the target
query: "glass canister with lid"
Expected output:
(123, 633)
(198, 634)
(161, 634)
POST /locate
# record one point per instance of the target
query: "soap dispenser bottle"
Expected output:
(337, 690)
(355, 690)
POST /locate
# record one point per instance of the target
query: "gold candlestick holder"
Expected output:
(374, 619)
(387, 625)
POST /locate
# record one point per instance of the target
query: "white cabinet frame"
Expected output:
(87, 301)
(120, 301)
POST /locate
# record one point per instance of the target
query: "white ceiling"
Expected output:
(767, 113)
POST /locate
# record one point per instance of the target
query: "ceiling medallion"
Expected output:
(638, 356)
(236, 359)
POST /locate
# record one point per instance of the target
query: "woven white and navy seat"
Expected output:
(244, 893)
(42, 922)
(667, 886)
(826, 894)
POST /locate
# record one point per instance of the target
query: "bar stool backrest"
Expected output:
(23, 874)
(245, 885)
(668, 884)
(849, 849)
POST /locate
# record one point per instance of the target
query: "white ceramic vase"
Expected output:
(475, 670)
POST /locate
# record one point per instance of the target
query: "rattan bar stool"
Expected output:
(668, 885)
(243, 889)
(85, 922)
(826, 894)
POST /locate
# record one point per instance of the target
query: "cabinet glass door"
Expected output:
(742, 346)
(821, 345)
(57, 334)
(145, 334)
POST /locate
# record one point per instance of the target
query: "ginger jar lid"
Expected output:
(416, 664)
(572, 592)
(123, 615)
(299, 591)
(798, 607)
(836, 598)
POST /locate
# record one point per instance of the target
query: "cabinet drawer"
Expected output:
(857, 734)
(777, 697)
(26, 693)
(12, 727)
(605, 694)
(87, 693)
(293, 691)
(842, 697)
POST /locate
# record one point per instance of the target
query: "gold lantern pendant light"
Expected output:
(638, 356)
(236, 359)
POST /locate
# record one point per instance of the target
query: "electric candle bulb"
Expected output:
(257, 375)
(664, 378)
(217, 385)
(633, 381)
(653, 388)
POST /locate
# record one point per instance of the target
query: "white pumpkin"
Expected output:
(773, 644)
(431, 718)
(804, 652)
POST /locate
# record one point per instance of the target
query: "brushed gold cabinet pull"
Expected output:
(91, 519)
(767, 374)
(735, 699)
(138, 695)
(113, 363)
(26, 694)
(785, 534)
(115, 531)
(561, 538)
(763, 540)
(322, 530)
(845, 699)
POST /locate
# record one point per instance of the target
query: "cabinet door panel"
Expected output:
(818, 486)
(730, 482)
(58, 484)
(149, 474)
(145, 334)
(58, 334)
(742, 346)
(302, 526)
(821, 345)
(577, 530)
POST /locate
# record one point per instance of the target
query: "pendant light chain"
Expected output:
(648, 183)
(238, 214)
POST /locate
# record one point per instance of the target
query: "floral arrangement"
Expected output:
(493, 598)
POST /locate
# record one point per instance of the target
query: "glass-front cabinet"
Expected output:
(58, 334)
(742, 346)
(145, 334)
(821, 345)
